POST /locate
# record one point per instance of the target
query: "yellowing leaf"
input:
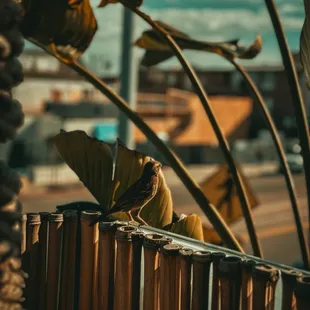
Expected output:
(189, 226)
(128, 168)
(158, 50)
(211, 236)
(305, 43)
(129, 3)
(91, 160)
(65, 28)
(158, 212)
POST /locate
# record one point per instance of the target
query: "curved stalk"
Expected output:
(222, 140)
(209, 210)
(299, 106)
(283, 161)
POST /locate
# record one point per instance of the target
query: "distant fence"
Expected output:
(117, 265)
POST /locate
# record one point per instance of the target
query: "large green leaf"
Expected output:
(305, 43)
(158, 50)
(65, 28)
(91, 160)
(189, 226)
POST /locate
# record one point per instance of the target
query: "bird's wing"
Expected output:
(137, 193)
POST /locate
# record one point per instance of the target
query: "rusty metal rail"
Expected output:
(119, 265)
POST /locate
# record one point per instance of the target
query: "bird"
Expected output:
(138, 194)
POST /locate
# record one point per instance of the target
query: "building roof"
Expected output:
(231, 113)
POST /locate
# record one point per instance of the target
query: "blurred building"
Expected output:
(271, 81)
(54, 97)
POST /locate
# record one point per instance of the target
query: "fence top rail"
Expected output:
(203, 246)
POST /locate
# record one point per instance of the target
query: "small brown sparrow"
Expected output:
(138, 194)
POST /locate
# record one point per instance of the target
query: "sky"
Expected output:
(211, 20)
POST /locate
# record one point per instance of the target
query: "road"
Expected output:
(273, 217)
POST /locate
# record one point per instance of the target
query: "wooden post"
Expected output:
(124, 266)
(216, 258)
(302, 293)
(201, 273)
(137, 241)
(265, 278)
(185, 261)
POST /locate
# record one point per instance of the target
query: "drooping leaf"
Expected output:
(305, 43)
(129, 167)
(129, 3)
(189, 226)
(65, 28)
(157, 49)
(91, 160)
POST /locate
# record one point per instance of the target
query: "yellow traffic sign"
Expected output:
(221, 191)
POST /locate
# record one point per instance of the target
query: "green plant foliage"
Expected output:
(157, 50)
(63, 28)
(305, 43)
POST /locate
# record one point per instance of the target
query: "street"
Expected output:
(273, 217)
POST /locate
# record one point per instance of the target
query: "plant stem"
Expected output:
(209, 210)
(300, 112)
(219, 134)
(282, 157)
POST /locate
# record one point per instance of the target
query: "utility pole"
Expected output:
(128, 78)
